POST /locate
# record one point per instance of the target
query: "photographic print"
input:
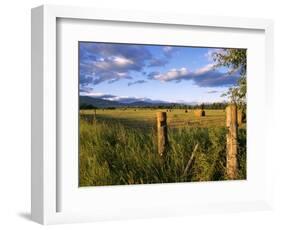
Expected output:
(161, 114)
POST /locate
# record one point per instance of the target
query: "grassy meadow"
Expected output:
(146, 118)
(120, 147)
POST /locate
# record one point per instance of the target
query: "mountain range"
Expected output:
(103, 103)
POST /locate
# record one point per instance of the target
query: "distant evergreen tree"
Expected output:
(87, 106)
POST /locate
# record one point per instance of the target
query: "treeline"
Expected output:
(217, 105)
(87, 106)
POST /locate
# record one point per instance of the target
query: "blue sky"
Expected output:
(131, 72)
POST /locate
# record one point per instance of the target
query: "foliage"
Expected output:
(87, 106)
(236, 61)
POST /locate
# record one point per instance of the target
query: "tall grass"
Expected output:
(111, 154)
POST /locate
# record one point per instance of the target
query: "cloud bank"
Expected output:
(139, 64)
(206, 76)
(121, 99)
(101, 62)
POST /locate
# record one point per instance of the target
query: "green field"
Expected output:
(119, 147)
(146, 118)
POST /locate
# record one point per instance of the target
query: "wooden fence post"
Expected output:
(239, 117)
(162, 132)
(95, 115)
(231, 142)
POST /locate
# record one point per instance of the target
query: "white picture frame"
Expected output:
(45, 195)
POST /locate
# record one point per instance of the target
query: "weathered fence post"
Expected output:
(162, 132)
(231, 142)
(95, 115)
(239, 117)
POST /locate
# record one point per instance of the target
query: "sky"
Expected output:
(130, 72)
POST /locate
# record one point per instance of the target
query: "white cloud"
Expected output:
(121, 61)
(173, 74)
(113, 63)
(100, 62)
(204, 69)
(168, 51)
(167, 48)
(206, 76)
(91, 94)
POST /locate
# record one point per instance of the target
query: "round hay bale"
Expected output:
(203, 113)
(199, 113)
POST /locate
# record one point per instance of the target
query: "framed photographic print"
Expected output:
(142, 114)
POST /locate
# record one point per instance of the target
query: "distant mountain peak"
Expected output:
(104, 103)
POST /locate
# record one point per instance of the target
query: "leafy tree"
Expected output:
(202, 106)
(87, 106)
(236, 61)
